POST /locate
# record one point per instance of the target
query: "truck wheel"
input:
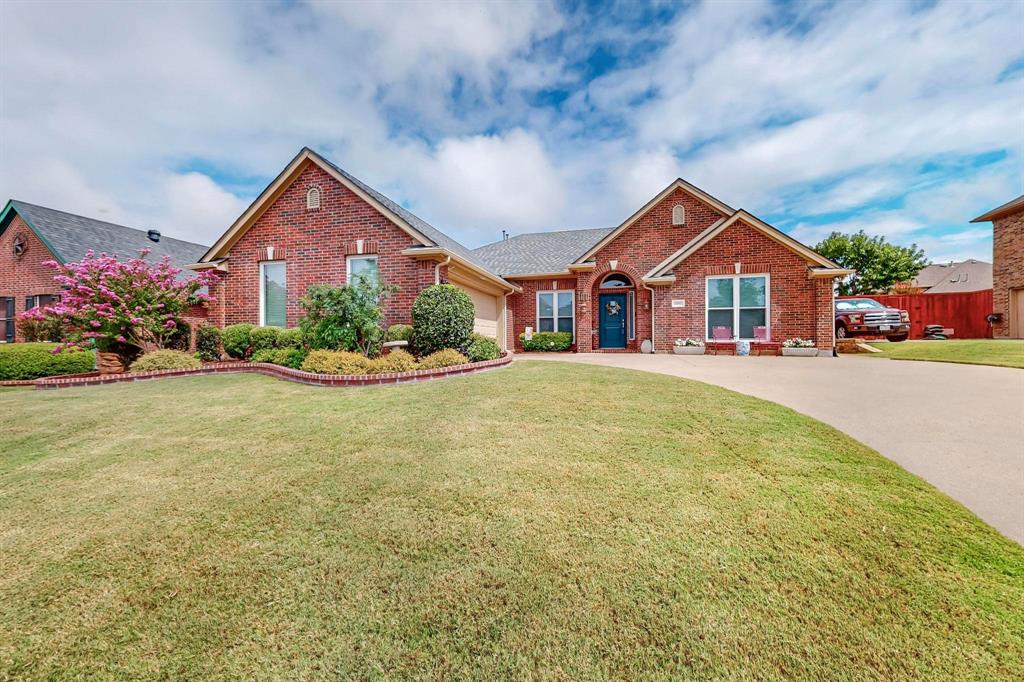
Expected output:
(841, 332)
(896, 338)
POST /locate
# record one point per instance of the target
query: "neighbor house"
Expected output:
(1007, 267)
(684, 265)
(31, 235)
(953, 278)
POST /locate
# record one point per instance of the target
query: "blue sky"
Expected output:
(903, 119)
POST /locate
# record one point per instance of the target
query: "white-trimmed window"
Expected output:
(313, 198)
(556, 311)
(736, 307)
(678, 215)
(362, 265)
(273, 294)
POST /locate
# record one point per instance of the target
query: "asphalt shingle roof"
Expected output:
(539, 252)
(71, 236)
(962, 277)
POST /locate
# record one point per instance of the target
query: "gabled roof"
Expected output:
(538, 252)
(663, 269)
(70, 236)
(1012, 206)
(428, 236)
(678, 183)
(948, 278)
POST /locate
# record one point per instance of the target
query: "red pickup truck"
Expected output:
(868, 317)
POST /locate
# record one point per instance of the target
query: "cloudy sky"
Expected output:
(904, 119)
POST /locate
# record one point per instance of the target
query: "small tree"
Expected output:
(879, 264)
(346, 317)
(123, 306)
(442, 317)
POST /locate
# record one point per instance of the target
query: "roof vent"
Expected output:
(154, 235)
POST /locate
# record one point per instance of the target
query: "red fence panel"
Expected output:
(963, 313)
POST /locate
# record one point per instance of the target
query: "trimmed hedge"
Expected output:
(399, 332)
(264, 338)
(207, 342)
(237, 339)
(547, 341)
(443, 358)
(23, 361)
(483, 348)
(290, 338)
(395, 361)
(286, 357)
(165, 359)
(442, 317)
(336, 362)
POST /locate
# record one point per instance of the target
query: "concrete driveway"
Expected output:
(960, 427)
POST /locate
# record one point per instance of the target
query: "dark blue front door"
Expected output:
(612, 332)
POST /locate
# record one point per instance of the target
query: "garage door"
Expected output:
(486, 316)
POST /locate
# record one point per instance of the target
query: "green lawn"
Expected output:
(1001, 353)
(547, 520)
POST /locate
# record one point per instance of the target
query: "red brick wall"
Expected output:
(1007, 268)
(313, 245)
(523, 306)
(24, 276)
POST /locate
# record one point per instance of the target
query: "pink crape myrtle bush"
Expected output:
(122, 306)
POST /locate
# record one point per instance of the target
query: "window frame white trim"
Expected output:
(263, 292)
(554, 306)
(360, 256)
(736, 305)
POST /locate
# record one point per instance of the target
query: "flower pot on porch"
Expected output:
(800, 352)
(688, 350)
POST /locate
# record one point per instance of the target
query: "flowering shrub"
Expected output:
(36, 326)
(443, 358)
(165, 359)
(798, 343)
(546, 341)
(689, 343)
(121, 306)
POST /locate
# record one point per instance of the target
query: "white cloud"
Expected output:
(191, 202)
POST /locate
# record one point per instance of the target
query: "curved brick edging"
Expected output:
(32, 382)
(279, 372)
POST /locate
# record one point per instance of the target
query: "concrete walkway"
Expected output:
(960, 427)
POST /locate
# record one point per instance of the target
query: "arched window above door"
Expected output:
(616, 281)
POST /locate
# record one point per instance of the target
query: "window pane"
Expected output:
(274, 294)
(565, 324)
(752, 292)
(546, 324)
(546, 306)
(750, 319)
(719, 318)
(720, 293)
(565, 304)
(367, 267)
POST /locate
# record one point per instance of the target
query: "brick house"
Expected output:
(684, 265)
(30, 235)
(1007, 267)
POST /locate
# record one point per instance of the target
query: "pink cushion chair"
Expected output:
(760, 333)
(721, 334)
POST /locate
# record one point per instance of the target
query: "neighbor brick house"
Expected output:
(684, 265)
(30, 235)
(1007, 267)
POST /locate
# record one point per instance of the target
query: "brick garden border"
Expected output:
(276, 371)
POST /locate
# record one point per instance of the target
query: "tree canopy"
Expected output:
(879, 264)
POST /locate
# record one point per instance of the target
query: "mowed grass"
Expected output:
(997, 352)
(547, 520)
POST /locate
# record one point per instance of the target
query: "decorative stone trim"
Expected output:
(278, 372)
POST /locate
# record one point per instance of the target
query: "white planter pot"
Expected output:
(800, 352)
(688, 350)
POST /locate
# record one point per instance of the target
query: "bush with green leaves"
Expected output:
(399, 332)
(23, 361)
(180, 337)
(290, 338)
(483, 348)
(336, 362)
(237, 340)
(207, 343)
(394, 362)
(345, 317)
(447, 357)
(33, 327)
(264, 338)
(165, 359)
(286, 357)
(442, 317)
(547, 341)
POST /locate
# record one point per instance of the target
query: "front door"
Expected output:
(612, 332)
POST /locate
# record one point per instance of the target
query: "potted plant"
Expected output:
(688, 347)
(801, 348)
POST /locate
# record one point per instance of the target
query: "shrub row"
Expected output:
(345, 362)
(242, 341)
(165, 359)
(546, 341)
(23, 361)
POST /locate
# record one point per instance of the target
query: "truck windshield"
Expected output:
(858, 304)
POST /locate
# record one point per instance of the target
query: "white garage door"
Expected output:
(486, 315)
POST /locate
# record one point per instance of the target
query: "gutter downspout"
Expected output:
(437, 269)
(653, 347)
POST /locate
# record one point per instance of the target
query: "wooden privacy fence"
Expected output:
(963, 313)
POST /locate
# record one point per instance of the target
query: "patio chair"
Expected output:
(760, 334)
(719, 335)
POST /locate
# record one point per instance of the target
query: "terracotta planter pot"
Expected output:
(800, 352)
(109, 363)
(688, 350)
